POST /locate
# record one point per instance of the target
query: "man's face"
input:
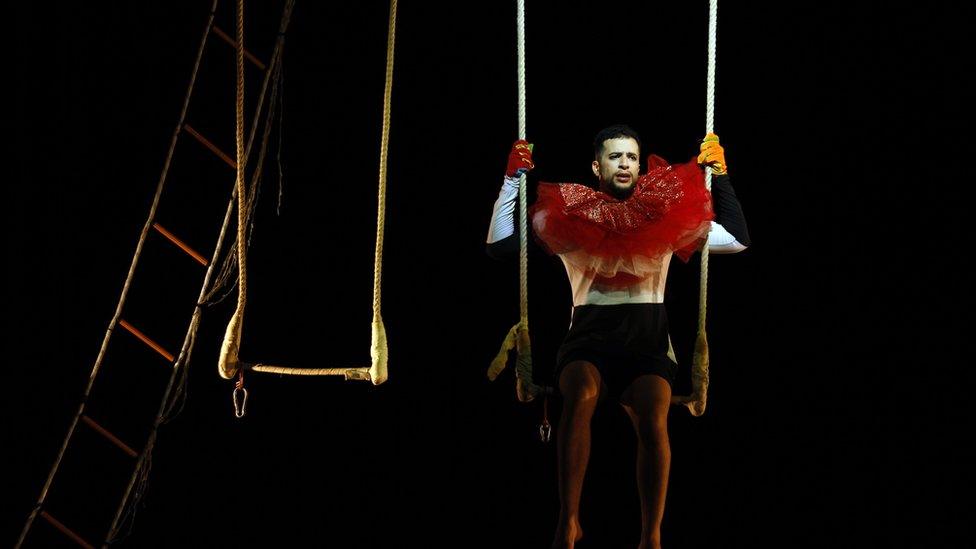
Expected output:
(617, 166)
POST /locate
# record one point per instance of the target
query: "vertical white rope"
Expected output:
(525, 388)
(710, 81)
(518, 335)
(523, 197)
(699, 373)
(709, 128)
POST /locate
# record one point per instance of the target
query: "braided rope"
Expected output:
(228, 364)
(384, 149)
(523, 364)
(378, 346)
(518, 336)
(226, 280)
(699, 369)
(239, 142)
(523, 195)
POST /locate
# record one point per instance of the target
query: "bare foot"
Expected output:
(567, 535)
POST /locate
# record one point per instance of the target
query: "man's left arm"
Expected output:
(729, 233)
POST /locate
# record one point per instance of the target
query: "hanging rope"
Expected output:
(226, 280)
(699, 367)
(228, 363)
(378, 349)
(377, 371)
(518, 335)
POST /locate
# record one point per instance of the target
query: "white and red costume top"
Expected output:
(618, 250)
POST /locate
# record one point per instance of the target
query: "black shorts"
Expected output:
(623, 341)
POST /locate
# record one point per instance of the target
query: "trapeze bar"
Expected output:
(357, 374)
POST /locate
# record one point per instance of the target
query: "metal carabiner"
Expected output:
(240, 405)
(240, 397)
(545, 432)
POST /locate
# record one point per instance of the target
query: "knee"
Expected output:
(652, 431)
(579, 383)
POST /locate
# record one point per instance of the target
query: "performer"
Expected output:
(616, 243)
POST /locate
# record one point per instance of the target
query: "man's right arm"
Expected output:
(502, 241)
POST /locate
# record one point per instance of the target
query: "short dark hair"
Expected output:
(612, 132)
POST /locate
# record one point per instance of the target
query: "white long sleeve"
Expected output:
(720, 241)
(503, 216)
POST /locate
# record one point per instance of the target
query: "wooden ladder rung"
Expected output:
(66, 531)
(233, 44)
(112, 438)
(180, 244)
(156, 346)
(206, 143)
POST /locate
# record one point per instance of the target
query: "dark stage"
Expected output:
(438, 456)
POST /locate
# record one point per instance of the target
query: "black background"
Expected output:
(824, 426)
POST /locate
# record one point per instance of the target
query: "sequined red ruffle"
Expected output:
(669, 210)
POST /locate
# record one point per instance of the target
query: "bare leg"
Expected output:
(580, 385)
(646, 401)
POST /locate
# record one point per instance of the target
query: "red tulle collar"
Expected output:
(654, 194)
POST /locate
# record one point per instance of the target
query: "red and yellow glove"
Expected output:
(713, 155)
(520, 159)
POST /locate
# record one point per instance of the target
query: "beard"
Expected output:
(620, 191)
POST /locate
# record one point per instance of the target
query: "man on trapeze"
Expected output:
(616, 243)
